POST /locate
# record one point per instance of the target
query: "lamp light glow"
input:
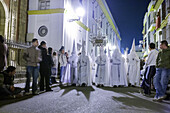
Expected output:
(80, 12)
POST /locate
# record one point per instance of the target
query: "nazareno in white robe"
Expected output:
(115, 68)
(109, 68)
(71, 68)
(102, 69)
(83, 69)
(118, 72)
(123, 77)
(134, 67)
(93, 66)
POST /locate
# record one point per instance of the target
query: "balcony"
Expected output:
(158, 3)
(14, 44)
(151, 7)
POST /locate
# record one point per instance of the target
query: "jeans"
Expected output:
(63, 69)
(34, 71)
(161, 81)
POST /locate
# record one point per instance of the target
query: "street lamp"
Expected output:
(80, 12)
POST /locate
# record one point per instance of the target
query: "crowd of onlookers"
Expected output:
(41, 62)
(156, 71)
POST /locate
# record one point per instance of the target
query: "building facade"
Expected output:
(60, 22)
(156, 25)
(13, 26)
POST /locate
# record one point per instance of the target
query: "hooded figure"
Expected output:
(83, 68)
(109, 67)
(71, 70)
(133, 66)
(102, 68)
(124, 68)
(118, 76)
(93, 66)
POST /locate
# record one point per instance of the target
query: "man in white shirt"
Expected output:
(150, 69)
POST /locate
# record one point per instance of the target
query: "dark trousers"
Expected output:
(34, 71)
(44, 74)
(5, 91)
(147, 81)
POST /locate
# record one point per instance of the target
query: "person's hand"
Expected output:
(12, 88)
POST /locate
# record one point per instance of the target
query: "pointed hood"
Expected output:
(126, 52)
(116, 44)
(102, 51)
(108, 52)
(93, 54)
(74, 50)
(83, 52)
(133, 46)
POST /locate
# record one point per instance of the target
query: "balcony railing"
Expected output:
(16, 44)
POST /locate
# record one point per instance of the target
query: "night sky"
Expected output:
(128, 15)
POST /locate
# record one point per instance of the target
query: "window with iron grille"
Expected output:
(44, 4)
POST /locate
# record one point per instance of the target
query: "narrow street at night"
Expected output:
(86, 100)
(84, 56)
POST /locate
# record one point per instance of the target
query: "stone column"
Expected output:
(168, 26)
(164, 33)
(168, 33)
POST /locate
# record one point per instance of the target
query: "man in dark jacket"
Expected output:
(51, 62)
(44, 67)
(162, 71)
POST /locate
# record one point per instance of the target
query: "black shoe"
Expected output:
(73, 85)
(98, 85)
(49, 90)
(114, 86)
(35, 93)
(83, 85)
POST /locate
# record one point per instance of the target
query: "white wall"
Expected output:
(53, 22)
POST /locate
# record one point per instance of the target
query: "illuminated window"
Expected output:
(44, 4)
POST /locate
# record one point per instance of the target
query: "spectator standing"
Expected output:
(44, 68)
(51, 62)
(63, 63)
(3, 54)
(150, 69)
(32, 56)
(54, 69)
(162, 71)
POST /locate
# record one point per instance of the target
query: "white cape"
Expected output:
(83, 69)
(102, 70)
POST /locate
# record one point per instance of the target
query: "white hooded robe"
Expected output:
(134, 66)
(102, 68)
(83, 68)
(118, 73)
